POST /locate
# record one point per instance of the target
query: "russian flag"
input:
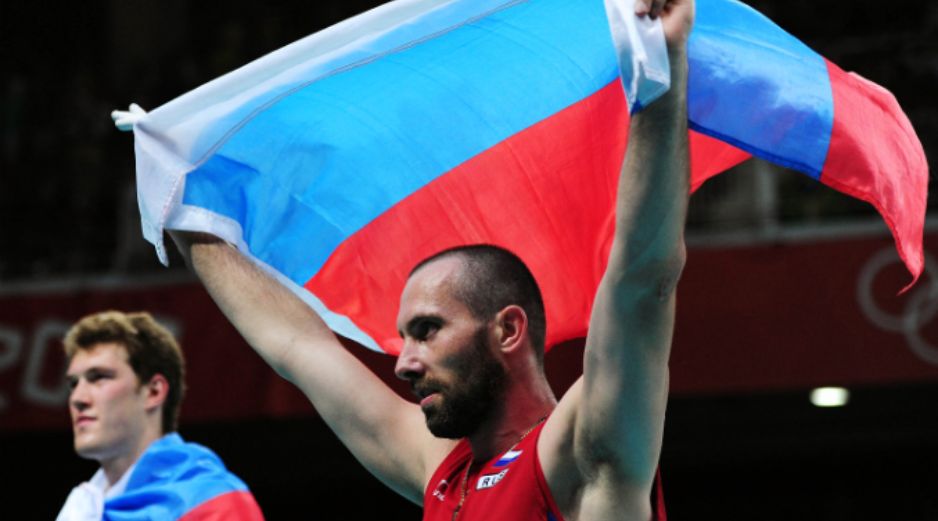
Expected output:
(185, 481)
(341, 160)
(508, 458)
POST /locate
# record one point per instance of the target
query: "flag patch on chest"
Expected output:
(509, 457)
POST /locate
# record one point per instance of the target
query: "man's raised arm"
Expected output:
(617, 409)
(366, 414)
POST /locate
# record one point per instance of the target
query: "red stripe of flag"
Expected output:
(886, 169)
(547, 193)
(232, 506)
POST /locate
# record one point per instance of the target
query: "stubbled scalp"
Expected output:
(492, 279)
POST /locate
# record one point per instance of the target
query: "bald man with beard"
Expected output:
(488, 439)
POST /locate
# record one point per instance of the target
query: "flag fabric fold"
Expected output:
(175, 479)
(758, 88)
(172, 479)
(341, 160)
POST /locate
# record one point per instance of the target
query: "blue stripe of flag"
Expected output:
(170, 479)
(317, 166)
(509, 457)
(437, 21)
(758, 88)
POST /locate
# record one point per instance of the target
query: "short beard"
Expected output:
(478, 385)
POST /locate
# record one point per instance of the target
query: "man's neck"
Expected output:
(114, 468)
(523, 408)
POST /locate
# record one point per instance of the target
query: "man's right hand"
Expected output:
(677, 19)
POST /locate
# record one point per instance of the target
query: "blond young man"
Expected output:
(126, 375)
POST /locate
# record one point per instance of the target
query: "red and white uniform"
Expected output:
(509, 487)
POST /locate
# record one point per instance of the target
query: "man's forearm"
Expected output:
(268, 316)
(358, 406)
(653, 189)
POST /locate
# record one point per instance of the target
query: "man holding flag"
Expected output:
(488, 439)
(336, 163)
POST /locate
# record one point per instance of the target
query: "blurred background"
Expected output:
(789, 287)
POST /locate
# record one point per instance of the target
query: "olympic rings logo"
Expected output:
(920, 309)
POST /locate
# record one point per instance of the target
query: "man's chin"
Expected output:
(445, 427)
(86, 453)
(444, 432)
(87, 449)
(436, 427)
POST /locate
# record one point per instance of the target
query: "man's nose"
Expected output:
(408, 365)
(78, 397)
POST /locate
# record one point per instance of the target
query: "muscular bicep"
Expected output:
(620, 417)
(600, 447)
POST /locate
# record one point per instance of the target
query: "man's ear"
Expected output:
(157, 389)
(511, 328)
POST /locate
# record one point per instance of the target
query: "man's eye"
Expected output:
(425, 329)
(94, 376)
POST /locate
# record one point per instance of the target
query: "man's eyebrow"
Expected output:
(93, 369)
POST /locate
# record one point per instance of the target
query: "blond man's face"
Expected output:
(107, 402)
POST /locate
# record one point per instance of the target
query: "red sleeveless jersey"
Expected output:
(510, 487)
